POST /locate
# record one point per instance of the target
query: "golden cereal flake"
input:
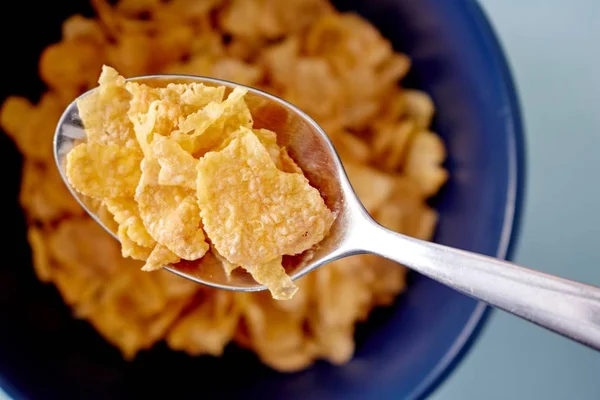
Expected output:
(208, 326)
(39, 252)
(185, 97)
(129, 247)
(80, 243)
(228, 267)
(160, 257)
(424, 162)
(44, 194)
(273, 276)
(206, 129)
(254, 212)
(126, 213)
(287, 163)
(160, 110)
(177, 167)
(104, 111)
(372, 187)
(14, 115)
(104, 171)
(170, 214)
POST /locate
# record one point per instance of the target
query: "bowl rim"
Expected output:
(513, 209)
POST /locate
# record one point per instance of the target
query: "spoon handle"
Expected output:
(563, 306)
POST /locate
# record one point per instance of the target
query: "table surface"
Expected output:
(553, 49)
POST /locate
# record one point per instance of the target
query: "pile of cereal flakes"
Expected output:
(336, 67)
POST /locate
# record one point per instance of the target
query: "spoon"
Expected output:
(563, 306)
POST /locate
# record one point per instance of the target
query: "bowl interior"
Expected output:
(403, 350)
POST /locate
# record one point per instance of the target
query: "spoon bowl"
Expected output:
(566, 307)
(306, 143)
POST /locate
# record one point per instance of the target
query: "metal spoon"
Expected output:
(566, 307)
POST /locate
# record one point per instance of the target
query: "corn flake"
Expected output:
(254, 212)
(129, 247)
(104, 171)
(104, 111)
(44, 194)
(228, 267)
(273, 276)
(32, 127)
(41, 262)
(159, 258)
(170, 214)
(423, 163)
(177, 167)
(208, 327)
(126, 213)
(208, 128)
(373, 187)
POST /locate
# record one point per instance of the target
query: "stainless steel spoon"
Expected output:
(566, 307)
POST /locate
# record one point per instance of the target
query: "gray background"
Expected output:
(554, 49)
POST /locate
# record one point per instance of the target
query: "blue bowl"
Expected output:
(403, 351)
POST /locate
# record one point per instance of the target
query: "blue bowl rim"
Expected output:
(513, 207)
(512, 213)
